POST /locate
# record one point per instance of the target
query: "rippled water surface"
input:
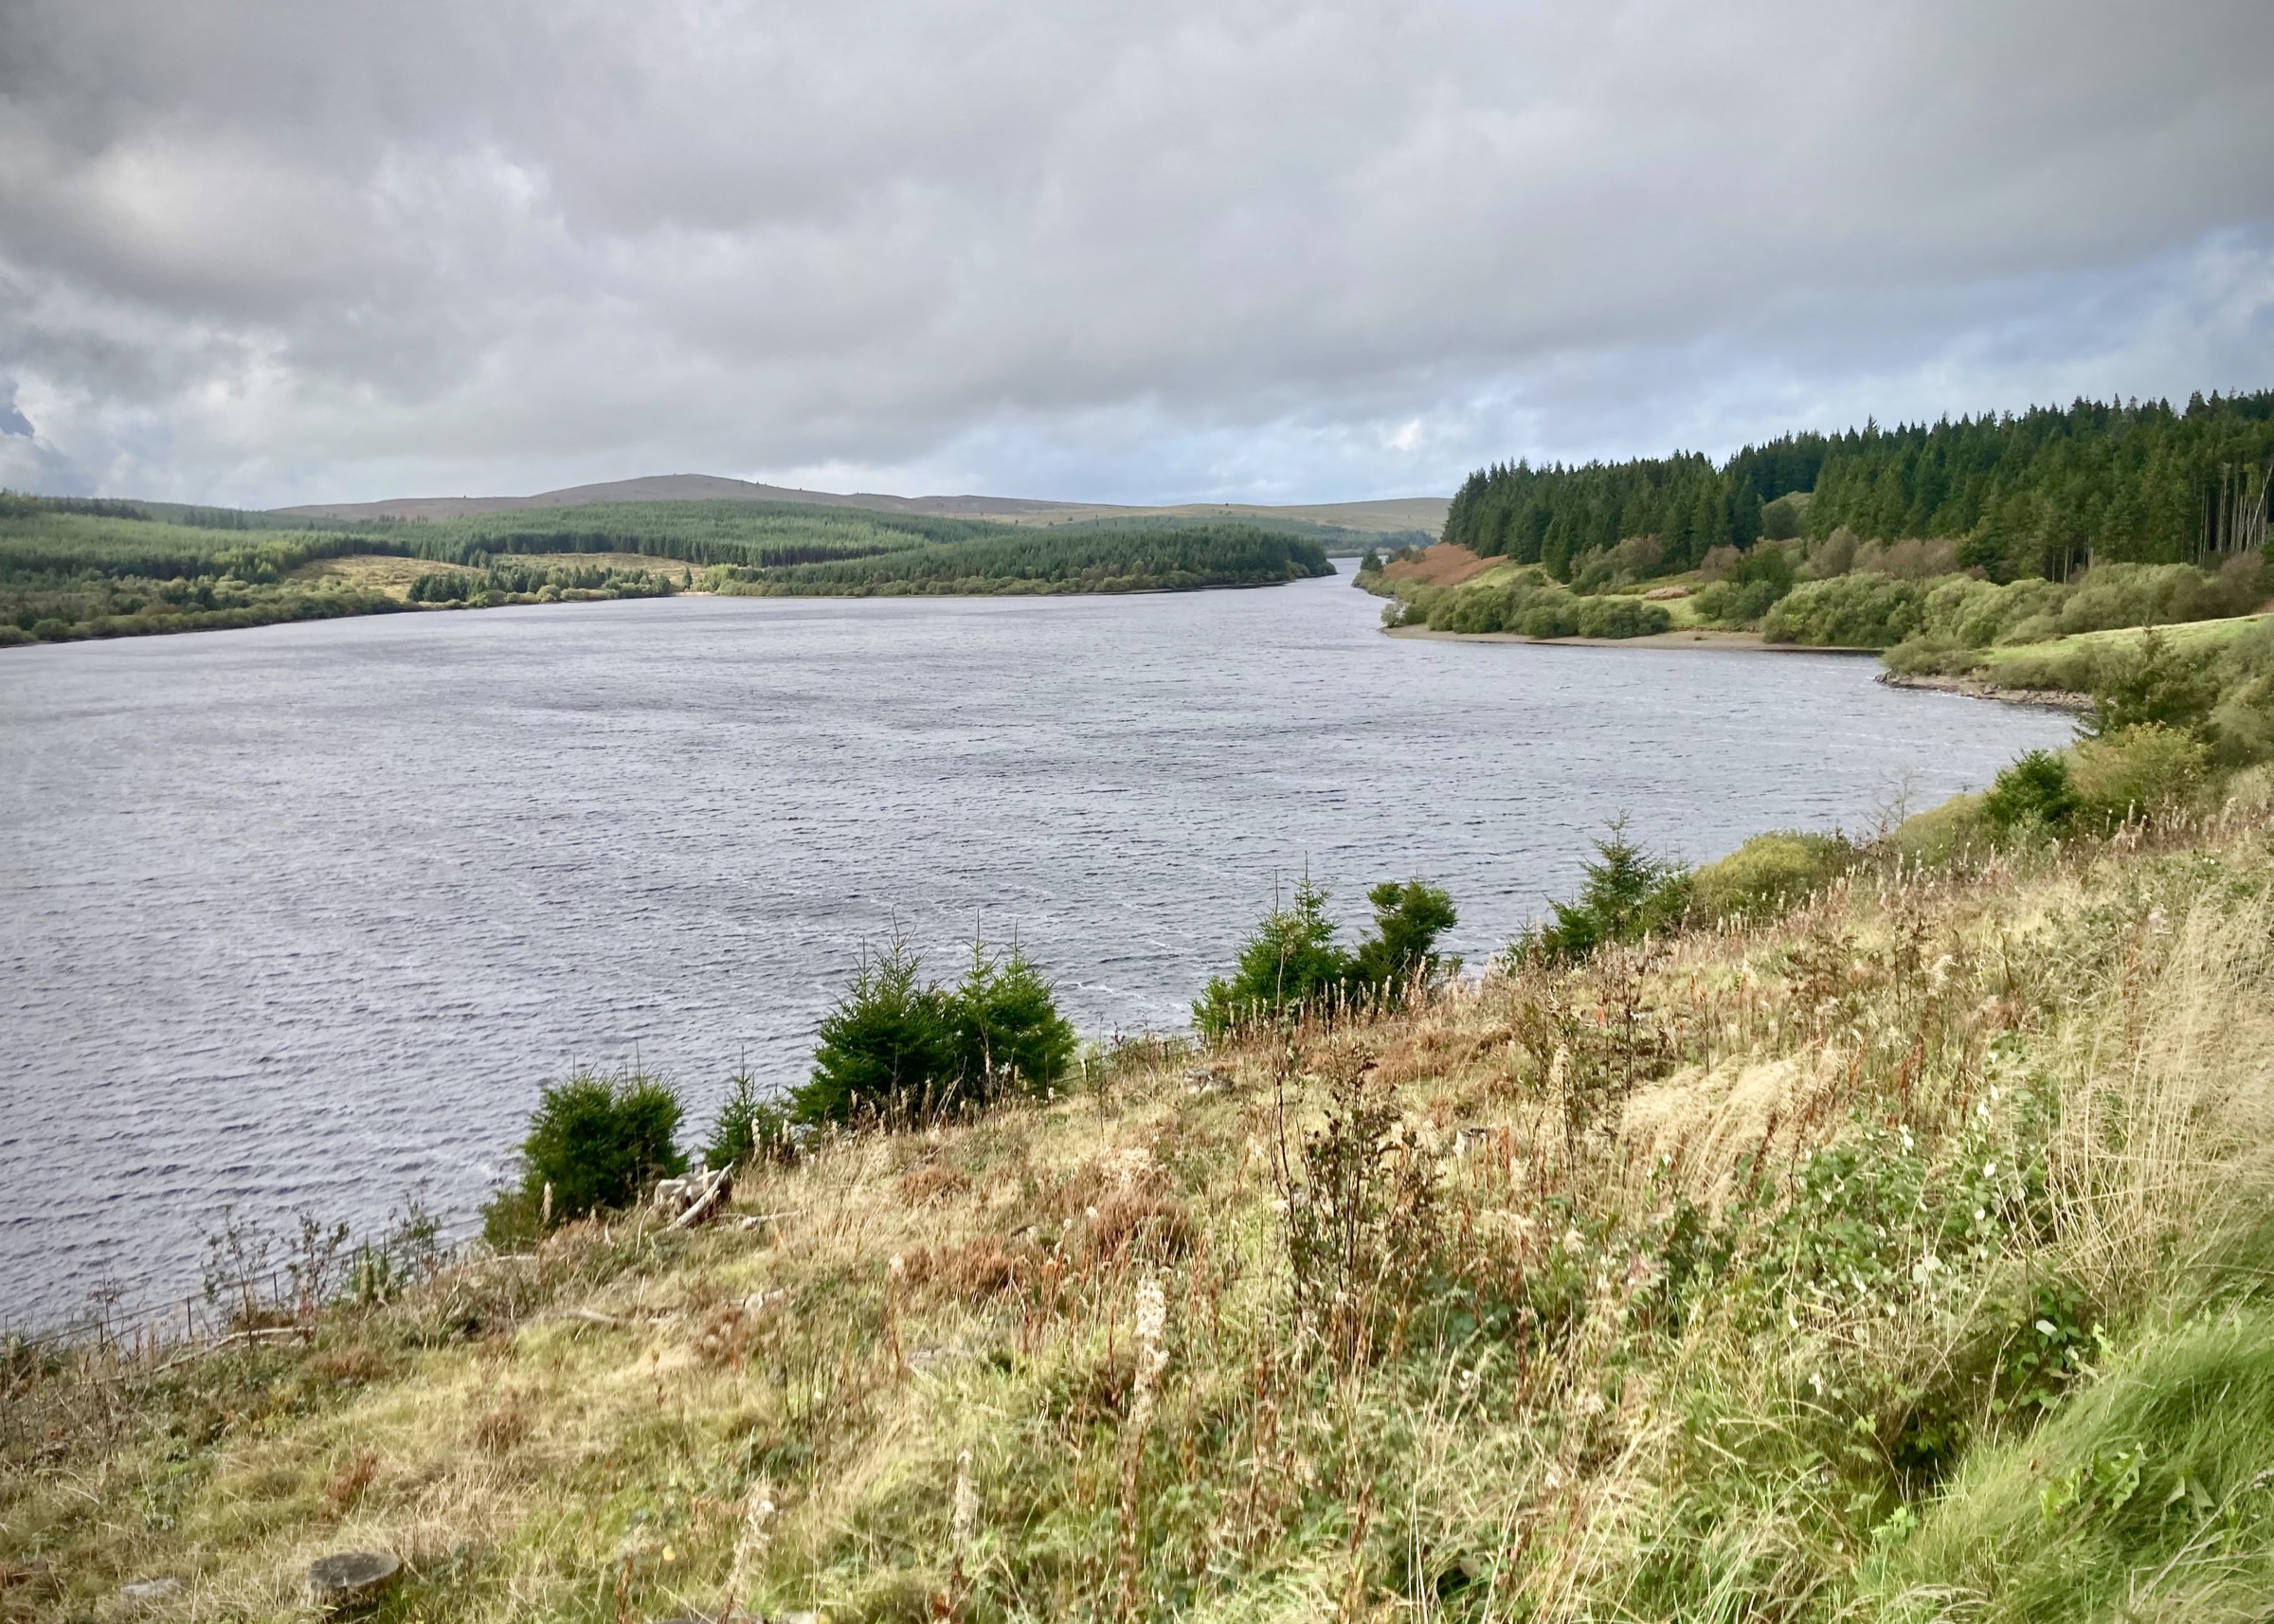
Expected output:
(300, 916)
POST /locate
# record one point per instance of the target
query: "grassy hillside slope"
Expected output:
(1901, 1258)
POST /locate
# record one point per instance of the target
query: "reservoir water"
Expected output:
(300, 917)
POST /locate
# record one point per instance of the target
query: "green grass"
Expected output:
(2151, 1497)
(2197, 637)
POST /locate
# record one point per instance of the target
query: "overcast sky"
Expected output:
(265, 253)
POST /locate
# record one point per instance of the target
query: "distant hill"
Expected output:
(1385, 517)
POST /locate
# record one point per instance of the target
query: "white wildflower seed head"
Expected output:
(1153, 1312)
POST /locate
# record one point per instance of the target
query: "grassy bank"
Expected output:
(1900, 1255)
(1911, 600)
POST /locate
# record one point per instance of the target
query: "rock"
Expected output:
(350, 1579)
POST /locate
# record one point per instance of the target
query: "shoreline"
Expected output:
(1690, 638)
(1972, 688)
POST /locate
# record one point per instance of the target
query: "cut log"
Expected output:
(352, 1578)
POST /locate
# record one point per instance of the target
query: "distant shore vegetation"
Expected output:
(1105, 557)
(1941, 545)
(76, 568)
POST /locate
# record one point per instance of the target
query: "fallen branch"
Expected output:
(715, 1191)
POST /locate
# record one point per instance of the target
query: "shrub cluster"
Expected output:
(1535, 606)
(595, 1144)
(1292, 966)
(2099, 784)
(1768, 873)
(899, 1044)
(1626, 894)
(509, 581)
(1923, 620)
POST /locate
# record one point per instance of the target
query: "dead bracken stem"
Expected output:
(750, 1548)
(963, 1528)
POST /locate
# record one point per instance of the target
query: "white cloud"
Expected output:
(268, 252)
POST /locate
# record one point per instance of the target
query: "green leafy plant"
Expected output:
(1291, 961)
(2153, 683)
(1291, 965)
(1768, 873)
(1402, 954)
(896, 1043)
(890, 1043)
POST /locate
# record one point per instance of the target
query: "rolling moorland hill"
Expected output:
(1387, 516)
(1897, 1253)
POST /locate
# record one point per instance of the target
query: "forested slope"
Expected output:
(2030, 495)
(72, 568)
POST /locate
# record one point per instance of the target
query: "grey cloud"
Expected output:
(272, 251)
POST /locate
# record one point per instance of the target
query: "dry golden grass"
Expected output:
(1592, 1334)
(373, 571)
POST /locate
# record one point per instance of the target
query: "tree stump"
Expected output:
(352, 1578)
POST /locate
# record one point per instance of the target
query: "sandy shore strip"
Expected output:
(2043, 698)
(1686, 639)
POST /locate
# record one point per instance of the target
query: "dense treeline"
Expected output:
(753, 535)
(1067, 558)
(2043, 494)
(1551, 515)
(58, 544)
(509, 581)
(71, 568)
(17, 505)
